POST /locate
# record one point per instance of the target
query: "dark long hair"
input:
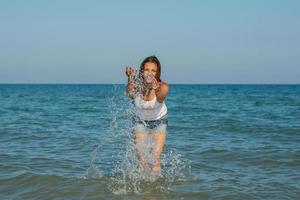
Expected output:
(151, 59)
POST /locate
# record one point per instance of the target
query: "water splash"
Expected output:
(126, 175)
(93, 171)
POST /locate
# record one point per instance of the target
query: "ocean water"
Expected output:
(223, 142)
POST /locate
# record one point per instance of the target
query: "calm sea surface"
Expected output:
(223, 142)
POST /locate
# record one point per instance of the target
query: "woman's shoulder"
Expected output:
(164, 86)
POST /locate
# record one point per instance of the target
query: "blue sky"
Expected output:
(209, 41)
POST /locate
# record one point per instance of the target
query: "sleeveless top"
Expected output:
(149, 110)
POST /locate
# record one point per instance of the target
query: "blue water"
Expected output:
(224, 142)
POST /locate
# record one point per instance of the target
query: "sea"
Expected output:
(224, 141)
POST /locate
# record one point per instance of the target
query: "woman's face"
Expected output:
(150, 68)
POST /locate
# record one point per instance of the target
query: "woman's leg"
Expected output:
(140, 143)
(158, 139)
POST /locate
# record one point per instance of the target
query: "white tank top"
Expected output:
(150, 110)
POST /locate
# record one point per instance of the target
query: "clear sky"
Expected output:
(197, 41)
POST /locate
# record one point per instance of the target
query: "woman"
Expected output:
(149, 93)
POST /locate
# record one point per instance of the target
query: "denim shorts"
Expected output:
(151, 126)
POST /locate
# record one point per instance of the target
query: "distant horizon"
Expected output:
(168, 83)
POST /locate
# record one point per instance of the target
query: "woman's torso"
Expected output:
(149, 110)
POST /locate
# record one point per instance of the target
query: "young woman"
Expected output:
(149, 92)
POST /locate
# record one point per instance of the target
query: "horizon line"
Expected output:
(82, 83)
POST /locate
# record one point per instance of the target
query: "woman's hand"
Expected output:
(130, 72)
(154, 84)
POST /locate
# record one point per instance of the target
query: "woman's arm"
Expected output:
(162, 91)
(130, 88)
